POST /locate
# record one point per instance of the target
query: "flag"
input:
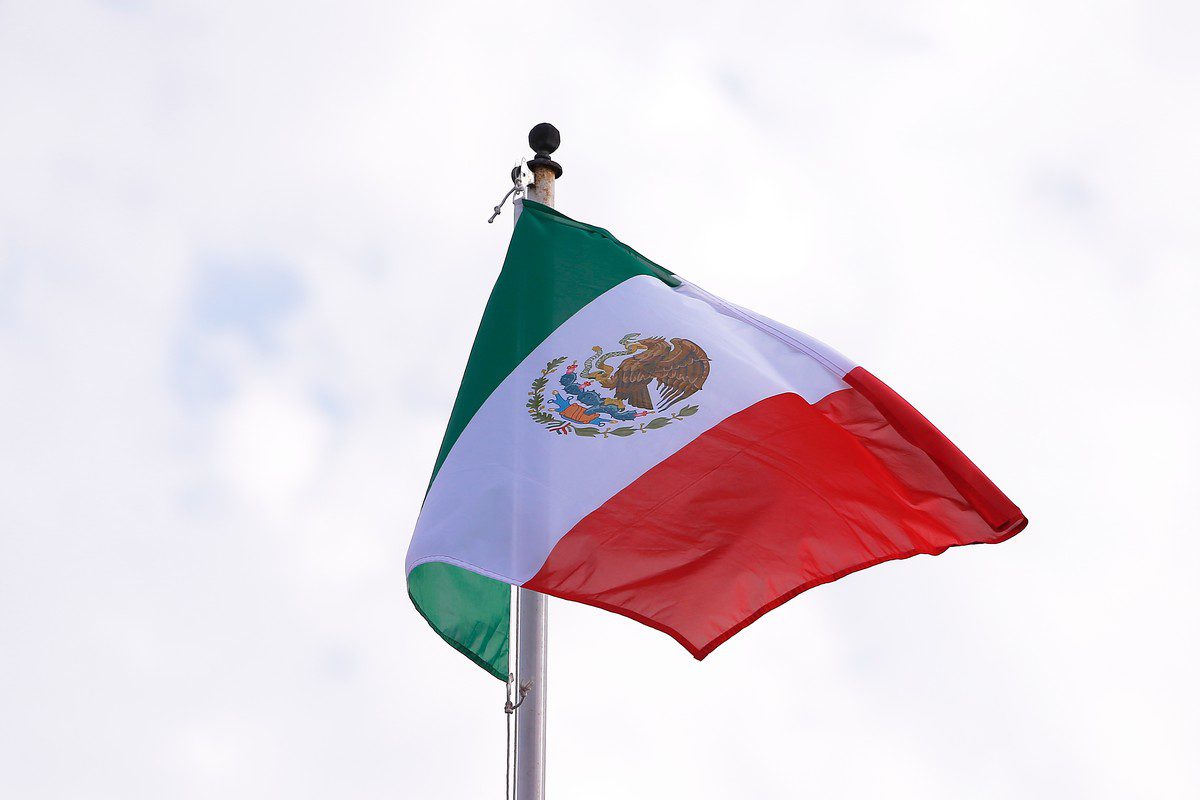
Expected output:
(624, 439)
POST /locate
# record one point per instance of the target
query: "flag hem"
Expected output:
(700, 653)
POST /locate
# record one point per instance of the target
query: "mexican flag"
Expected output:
(624, 439)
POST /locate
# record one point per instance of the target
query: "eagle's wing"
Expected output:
(682, 373)
(631, 380)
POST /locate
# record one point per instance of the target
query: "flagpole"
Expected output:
(530, 756)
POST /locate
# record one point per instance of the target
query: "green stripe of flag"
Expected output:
(468, 610)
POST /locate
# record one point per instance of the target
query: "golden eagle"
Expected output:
(680, 372)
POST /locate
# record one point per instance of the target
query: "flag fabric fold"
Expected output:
(624, 439)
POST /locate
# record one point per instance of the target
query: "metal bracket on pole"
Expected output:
(522, 690)
(522, 177)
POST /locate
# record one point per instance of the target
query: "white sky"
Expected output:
(242, 256)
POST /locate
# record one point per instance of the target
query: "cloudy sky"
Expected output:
(243, 251)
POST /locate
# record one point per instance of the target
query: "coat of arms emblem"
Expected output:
(641, 383)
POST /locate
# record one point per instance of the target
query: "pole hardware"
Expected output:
(509, 706)
(544, 139)
(522, 177)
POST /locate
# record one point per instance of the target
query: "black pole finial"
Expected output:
(544, 138)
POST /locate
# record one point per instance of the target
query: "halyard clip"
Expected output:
(509, 707)
(521, 177)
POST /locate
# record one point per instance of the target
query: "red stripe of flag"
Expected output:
(778, 498)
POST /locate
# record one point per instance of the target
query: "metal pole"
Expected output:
(531, 715)
(531, 606)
